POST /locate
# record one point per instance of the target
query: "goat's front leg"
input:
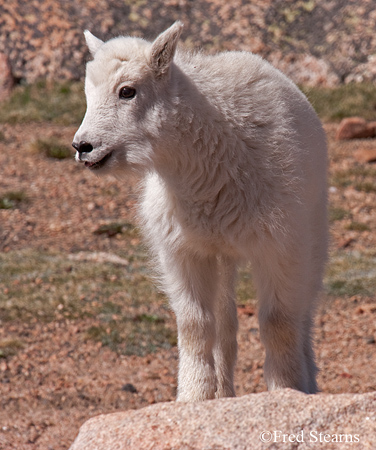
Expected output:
(191, 283)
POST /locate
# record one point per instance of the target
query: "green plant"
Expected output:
(357, 226)
(113, 228)
(340, 179)
(12, 199)
(337, 214)
(9, 347)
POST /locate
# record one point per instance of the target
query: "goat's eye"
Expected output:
(127, 92)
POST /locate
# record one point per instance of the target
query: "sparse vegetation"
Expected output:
(354, 99)
(132, 314)
(9, 347)
(336, 213)
(357, 226)
(62, 103)
(113, 228)
(12, 199)
(360, 176)
(341, 178)
(246, 292)
(134, 335)
(52, 148)
(351, 273)
(365, 186)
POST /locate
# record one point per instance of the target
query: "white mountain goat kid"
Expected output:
(233, 160)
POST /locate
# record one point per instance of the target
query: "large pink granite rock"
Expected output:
(284, 419)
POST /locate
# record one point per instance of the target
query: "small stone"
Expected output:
(129, 388)
(355, 128)
(346, 242)
(370, 340)
(365, 155)
(246, 310)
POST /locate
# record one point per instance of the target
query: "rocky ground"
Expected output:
(58, 378)
(314, 42)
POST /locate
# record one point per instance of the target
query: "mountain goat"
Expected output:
(233, 159)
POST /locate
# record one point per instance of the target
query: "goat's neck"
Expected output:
(201, 159)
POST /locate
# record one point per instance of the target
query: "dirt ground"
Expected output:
(59, 379)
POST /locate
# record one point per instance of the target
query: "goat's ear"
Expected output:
(163, 49)
(92, 42)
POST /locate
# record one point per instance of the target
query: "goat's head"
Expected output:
(126, 89)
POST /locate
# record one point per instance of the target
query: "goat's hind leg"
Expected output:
(288, 359)
(287, 303)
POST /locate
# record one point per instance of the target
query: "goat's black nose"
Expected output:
(82, 147)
